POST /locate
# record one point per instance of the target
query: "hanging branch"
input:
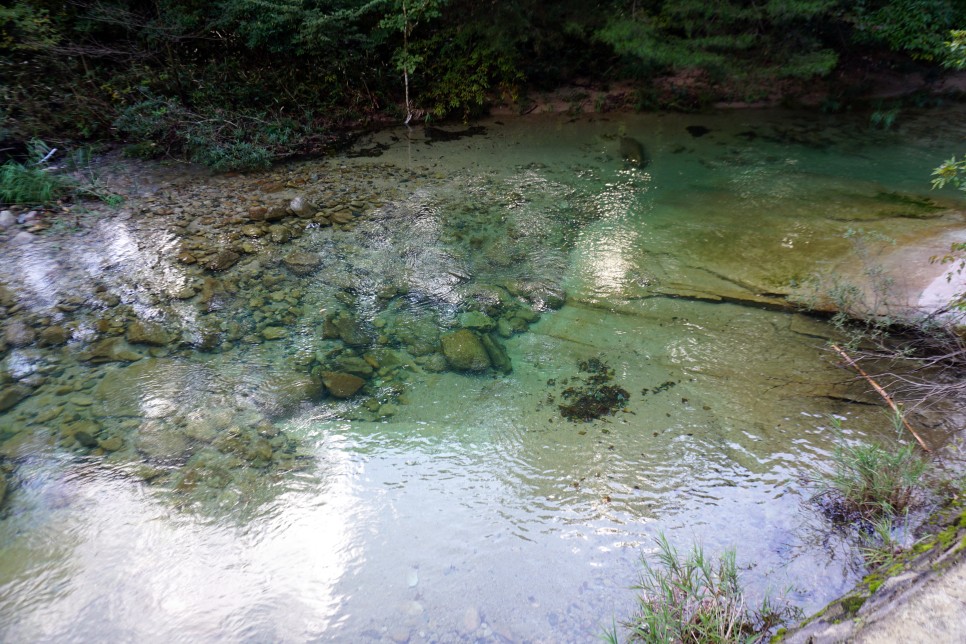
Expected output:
(881, 392)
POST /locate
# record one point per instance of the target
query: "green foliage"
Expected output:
(915, 27)
(219, 141)
(697, 599)
(956, 50)
(870, 481)
(726, 39)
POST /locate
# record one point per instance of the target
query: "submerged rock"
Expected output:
(11, 395)
(110, 350)
(152, 333)
(464, 351)
(223, 260)
(302, 207)
(498, 355)
(301, 262)
(342, 385)
(633, 151)
(19, 334)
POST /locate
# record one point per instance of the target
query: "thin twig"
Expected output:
(881, 392)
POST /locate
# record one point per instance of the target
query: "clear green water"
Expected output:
(222, 499)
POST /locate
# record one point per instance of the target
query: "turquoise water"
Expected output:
(175, 472)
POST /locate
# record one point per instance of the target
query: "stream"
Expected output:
(447, 386)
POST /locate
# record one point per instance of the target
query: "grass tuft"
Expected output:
(698, 599)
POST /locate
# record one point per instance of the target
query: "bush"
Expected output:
(696, 599)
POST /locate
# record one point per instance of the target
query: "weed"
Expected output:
(697, 599)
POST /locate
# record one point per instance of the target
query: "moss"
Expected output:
(947, 536)
(961, 522)
(925, 546)
(873, 582)
(779, 635)
(852, 604)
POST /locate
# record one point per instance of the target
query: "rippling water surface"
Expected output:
(175, 471)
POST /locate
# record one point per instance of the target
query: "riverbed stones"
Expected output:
(464, 351)
(303, 208)
(10, 395)
(496, 352)
(7, 219)
(110, 350)
(301, 262)
(274, 333)
(19, 334)
(147, 332)
(223, 260)
(53, 336)
(162, 441)
(342, 385)
(476, 321)
(353, 365)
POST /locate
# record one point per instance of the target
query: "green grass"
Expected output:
(697, 599)
(28, 185)
(872, 481)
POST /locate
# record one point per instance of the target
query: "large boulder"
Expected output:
(464, 351)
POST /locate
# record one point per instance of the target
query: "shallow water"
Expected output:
(186, 481)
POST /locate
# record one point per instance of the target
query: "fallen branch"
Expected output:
(881, 392)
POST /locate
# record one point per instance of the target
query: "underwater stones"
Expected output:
(160, 440)
(186, 257)
(3, 487)
(279, 234)
(19, 334)
(345, 326)
(282, 394)
(301, 262)
(477, 321)
(464, 351)
(144, 332)
(633, 152)
(542, 296)
(496, 352)
(435, 363)
(11, 395)
(253, 230)
(110, 350)
(342, 385)
(275, 213)
(353, 365)
(7, 297)
(274, 333)
(223, 260)
(303, 208)
(111, 444)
